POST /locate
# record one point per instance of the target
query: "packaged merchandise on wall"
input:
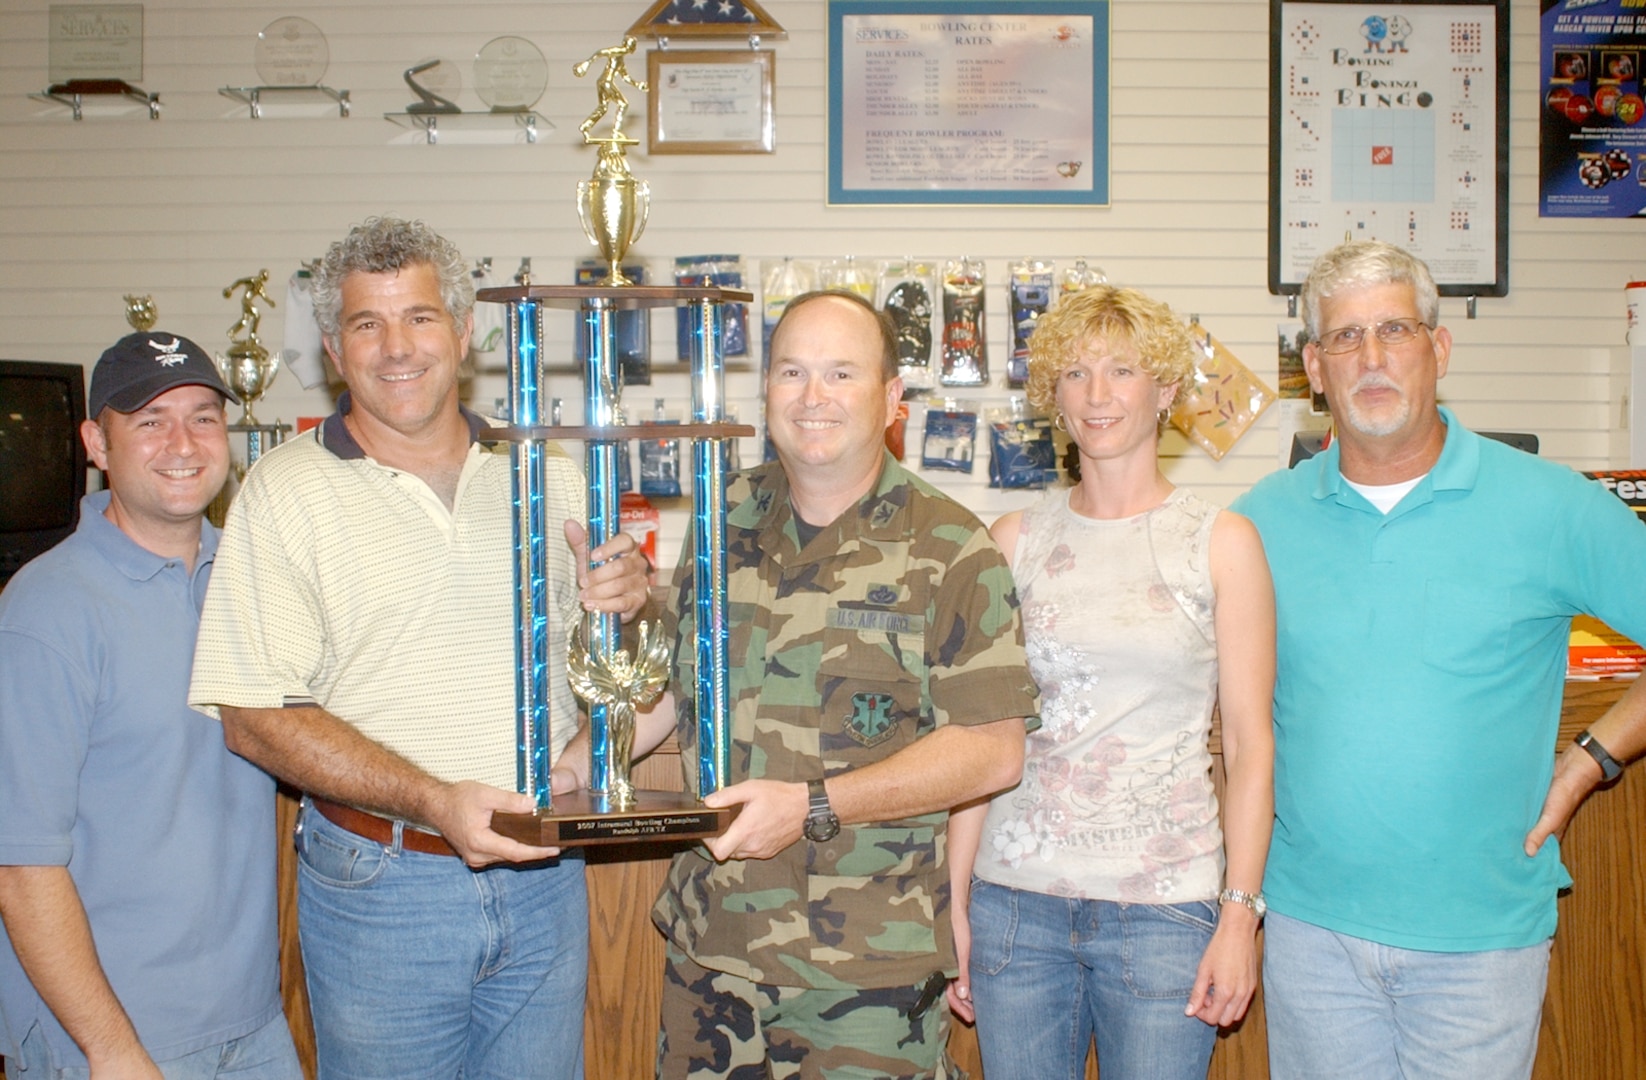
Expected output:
(904, 292)
(633, 329)
(846, 273)
(1082, 275)
(950, 440)
(965, 348)
(660, 461)
(642, 521)
(1022, 453)
(1030, 296)
(725, 271)
(781, 283)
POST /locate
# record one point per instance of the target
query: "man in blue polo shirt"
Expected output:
(136, 855)
(1425, 580)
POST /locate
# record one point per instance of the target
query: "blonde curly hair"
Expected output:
(1165, 348)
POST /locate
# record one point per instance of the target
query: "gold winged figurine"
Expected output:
(620, 684)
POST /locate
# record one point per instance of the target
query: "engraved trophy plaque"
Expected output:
(291, 52)
(510, 74)
(613, 681)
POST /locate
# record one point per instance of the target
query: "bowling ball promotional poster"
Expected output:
(1592, 109)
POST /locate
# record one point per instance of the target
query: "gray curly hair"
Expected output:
(380, 245)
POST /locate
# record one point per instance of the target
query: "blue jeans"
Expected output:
(420, 967)
(265, 1054)
(1049, 973)
(1344, 1007)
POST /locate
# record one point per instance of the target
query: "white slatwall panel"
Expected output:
(181, 206)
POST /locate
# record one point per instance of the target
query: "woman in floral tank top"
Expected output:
(1106, 896)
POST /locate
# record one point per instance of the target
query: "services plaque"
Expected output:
(95, 41)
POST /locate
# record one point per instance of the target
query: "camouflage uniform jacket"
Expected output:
(896, 619)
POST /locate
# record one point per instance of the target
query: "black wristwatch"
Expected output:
(821, 824)
(1610, 767)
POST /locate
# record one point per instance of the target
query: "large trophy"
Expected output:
(248, 367)
(613, 680)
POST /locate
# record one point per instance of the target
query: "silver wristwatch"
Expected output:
(1254, 901)
(821, 823)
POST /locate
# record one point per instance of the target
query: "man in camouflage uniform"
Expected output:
(878, 680)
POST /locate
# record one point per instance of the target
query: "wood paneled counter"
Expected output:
(1594, 1019)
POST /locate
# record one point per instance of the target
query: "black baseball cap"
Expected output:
(140, 367)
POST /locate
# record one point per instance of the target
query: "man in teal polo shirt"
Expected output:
(1425, 581)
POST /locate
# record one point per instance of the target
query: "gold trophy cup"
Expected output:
(613, 207)
(248, 369)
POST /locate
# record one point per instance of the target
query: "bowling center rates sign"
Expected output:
(1591, 115)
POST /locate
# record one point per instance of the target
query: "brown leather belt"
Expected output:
(380, 830)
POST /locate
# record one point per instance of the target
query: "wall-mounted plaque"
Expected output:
(711, 101)
(510, 74)
(95, 41)
(291, 51)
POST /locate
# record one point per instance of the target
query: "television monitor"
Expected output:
(42, 460)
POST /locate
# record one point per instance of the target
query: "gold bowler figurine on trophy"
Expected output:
(247, 367)
(612, 205)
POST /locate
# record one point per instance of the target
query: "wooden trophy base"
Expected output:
(581, 818)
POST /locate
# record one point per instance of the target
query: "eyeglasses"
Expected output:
(1389, 332)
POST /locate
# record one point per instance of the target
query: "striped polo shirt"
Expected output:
(346, 584)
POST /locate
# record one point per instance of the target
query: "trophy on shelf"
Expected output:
(510, 74)
(141, 312)
(613, 206)
(248, 367)
(427, 100)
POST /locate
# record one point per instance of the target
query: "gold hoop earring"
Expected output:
(1163, 416)
(1057, 422)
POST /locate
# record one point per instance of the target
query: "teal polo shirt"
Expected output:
(1422, 658)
